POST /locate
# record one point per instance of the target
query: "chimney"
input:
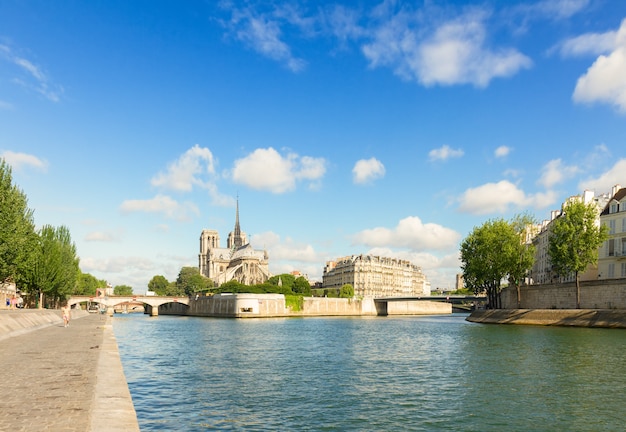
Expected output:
(615, 189)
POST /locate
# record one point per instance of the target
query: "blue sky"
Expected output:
(383, 127)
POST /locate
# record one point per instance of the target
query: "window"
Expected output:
(611, 270)
(623, 269)
(624, 224)
(614, 208)
(623, 249)
(610, 248)
(612, 226)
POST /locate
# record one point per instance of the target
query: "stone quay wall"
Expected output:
(601, 294)
(552, 317)
(273, 305)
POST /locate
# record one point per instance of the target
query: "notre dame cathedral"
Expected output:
(238, 260)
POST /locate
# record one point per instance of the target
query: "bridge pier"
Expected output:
(154, 311)
(110, 311)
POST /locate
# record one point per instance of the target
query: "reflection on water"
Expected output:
(369, 374)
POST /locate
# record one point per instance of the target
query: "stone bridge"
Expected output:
(109, 302)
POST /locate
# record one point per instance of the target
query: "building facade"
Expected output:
(612, 254)
(542, 272)
(237, 261)
(374, 276)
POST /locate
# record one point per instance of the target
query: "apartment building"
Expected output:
(612, 254)
(374, 276)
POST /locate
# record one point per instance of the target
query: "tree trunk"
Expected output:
(577, 291)
(519, 297)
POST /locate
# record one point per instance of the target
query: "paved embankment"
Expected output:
(62, 379)
(607, 318)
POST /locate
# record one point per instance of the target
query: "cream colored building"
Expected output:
(542, 272)
(238, 260)
(612, 254)
(374, 276)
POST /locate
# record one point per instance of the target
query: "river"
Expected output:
(434, 373)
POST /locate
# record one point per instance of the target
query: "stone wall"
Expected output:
(273, 305)
(602, 294)
(571, 317)
(418, 308)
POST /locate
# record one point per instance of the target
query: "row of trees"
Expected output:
(497, 251)
(39, 262)
(190, 281)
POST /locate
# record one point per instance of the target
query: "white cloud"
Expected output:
(560, 9)
(184, 173)
(284, 250)
(606, 181)
(555, 172)
(288, 255)
(499, 197)
(21, 160)
(367, 170)
(589, 44)
(455, 51)
(502, 151)
(100, 236)
(31, 76)
(411, 233)
(605, 80)
(160, 204)
(266, 169)
(343, 23)
(444, 153)
(262, 33)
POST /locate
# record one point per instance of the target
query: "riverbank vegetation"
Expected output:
(494, 252)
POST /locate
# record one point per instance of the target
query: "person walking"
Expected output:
(66, 314)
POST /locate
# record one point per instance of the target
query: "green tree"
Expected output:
(523, 225)
(158, 284)
(173, 289)
(301, 286)
(574, 239)
(123, 290)
(494, 252)
(346, 291)
(190, 281)
(87, 284)
(17, 230)
(55, 270)
(285, 280)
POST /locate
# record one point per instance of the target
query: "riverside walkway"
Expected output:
(63, 379)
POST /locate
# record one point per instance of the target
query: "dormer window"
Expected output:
(614, 208)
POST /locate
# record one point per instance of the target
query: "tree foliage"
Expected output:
(493, 252)
(55, 270)
(302, 286)
(123, 290)
(346, 291)
(574, 239)
(17, 230)
(87, 284)
(190, 281)
(158, 284)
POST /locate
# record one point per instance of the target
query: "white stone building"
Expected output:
(238, 260)
(612, 254)
(542, 272)
(374, 276)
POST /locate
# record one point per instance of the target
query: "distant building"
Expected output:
(612, 254)
(237, 261)
(374, 276)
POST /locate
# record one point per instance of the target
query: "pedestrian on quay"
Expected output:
(66, 314)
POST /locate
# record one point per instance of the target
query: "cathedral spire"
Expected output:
(237, 238)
